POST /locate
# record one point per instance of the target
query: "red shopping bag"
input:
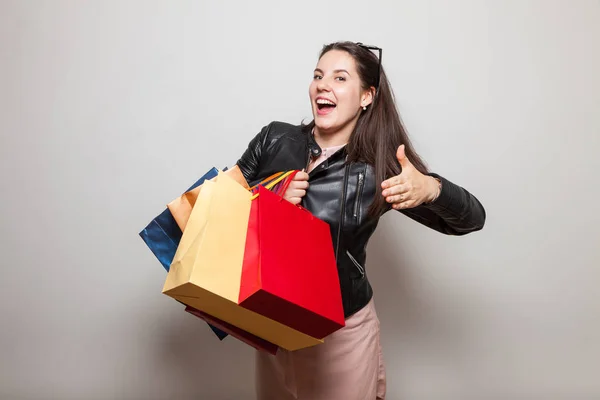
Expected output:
(289, 272)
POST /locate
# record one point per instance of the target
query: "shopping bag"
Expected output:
(178, 208)
(162, 234)
(206, 270)
(248, 338)
(289, 272)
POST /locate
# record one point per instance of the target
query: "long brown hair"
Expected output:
(379, 130)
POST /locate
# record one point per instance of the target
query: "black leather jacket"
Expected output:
(340, 194)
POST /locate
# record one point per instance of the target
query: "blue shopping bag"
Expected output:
(162, 236)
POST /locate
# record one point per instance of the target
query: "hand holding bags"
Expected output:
(235, 263)
(207, 268)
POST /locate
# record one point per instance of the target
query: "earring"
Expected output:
(365, 108)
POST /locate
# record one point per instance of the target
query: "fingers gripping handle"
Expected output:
(286, 184)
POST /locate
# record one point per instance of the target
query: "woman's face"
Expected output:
(336, 93)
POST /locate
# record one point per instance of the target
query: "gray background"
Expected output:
(107, 110)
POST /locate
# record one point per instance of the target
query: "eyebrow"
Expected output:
(335, 71)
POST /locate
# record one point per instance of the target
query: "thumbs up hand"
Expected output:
(411, 188)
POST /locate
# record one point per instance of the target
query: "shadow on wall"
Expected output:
(424, 320)
(199, 364)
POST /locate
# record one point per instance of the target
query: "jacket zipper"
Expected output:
(361, 181)
(356, 263)
(342, 212)
(308, 160)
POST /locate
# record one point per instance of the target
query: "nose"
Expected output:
(323, 85)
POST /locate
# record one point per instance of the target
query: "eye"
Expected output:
(341, 78)
(317, 77)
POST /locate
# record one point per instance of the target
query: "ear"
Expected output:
(367, 97)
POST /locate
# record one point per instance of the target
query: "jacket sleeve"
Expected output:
(454, 212)
(250, 160)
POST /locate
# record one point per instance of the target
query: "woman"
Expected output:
(357, 164)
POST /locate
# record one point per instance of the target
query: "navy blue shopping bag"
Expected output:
(162, 236)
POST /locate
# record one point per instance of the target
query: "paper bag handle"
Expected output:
(266, 180)
(280, 176)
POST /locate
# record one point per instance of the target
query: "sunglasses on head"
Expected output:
(380, 50)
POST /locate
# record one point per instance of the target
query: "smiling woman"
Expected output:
(359, 164)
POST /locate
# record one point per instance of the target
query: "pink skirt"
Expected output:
(347, 366)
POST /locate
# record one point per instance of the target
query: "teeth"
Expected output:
(324, 101)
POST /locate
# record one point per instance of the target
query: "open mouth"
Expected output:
(325, 106)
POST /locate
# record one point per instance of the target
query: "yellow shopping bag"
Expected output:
(207, 268)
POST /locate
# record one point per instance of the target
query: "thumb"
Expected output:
(401, 156)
